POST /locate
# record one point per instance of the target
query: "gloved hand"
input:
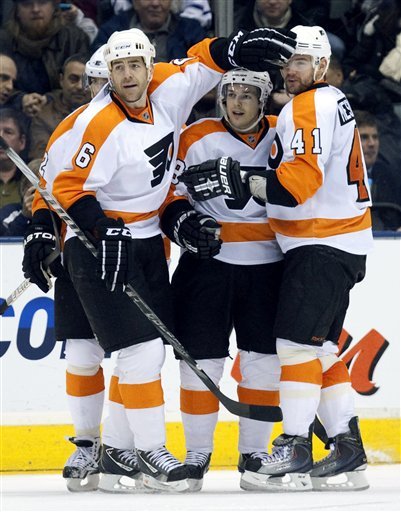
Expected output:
(214, 178)
(41, 259)
(113, 252)
(258, 49)
(198, 233)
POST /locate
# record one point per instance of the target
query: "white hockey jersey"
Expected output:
(126, 159)
(318, 158)
(246, 234)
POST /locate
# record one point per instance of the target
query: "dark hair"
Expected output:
(20, 119)
(365, 118)
(76, 57)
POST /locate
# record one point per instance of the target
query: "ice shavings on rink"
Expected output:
(220, 492)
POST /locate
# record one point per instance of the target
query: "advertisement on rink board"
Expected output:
(369, 344)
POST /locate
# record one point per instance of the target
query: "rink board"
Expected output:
(34, 409)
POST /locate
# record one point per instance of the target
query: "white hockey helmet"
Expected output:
(243, 76)
(129, 43)
(96, 66)
(312, 41)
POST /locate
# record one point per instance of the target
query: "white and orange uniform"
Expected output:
(247, 240)
(245, 231)
(318, 195)
(318, 159)
(126, 160)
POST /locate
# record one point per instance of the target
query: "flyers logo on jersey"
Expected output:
(160, 156)
(345, 111)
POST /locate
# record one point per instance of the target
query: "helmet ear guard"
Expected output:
(242, 76)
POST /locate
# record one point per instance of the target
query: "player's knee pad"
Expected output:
(290, 352)
(142, 362)
(327, 355)
(83, 356)
(259, 371)
(213, 367)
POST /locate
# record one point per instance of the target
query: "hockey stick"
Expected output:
(14, 295)
(256, 412)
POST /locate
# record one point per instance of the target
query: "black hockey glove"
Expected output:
(198, 233)
(214, 178)
(260, 48)
(113, 252)
(41, 258)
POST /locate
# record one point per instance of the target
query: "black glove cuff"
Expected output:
(276, 193)
(86, 212)
(44, 218)
(219, 52)
(171, 215)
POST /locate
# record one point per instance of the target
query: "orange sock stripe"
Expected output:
(114, 391)
(198, 402)
(258, 396)
(337, 374)
(142, 396)
(310, 372)
(84, 385)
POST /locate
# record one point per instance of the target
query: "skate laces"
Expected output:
(262, 456)
(279, 454)
(164, 459)
(129, 457)
(197, 458)
(84, 456)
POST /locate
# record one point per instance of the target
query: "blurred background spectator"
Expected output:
(30, 104)
(384, 180)
(40, 43)
(171, 34)
(62, 101)
(15, 194)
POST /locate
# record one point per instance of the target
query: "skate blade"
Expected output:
(90, 483)
(348, 481)
(195, 485)
(120, 484)
(152, 483)
(291, 482)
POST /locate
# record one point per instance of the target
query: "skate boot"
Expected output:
(197, 464)
(120, 471)
(82, 469)
(286, 469)
(162, 471)
(250, 462)
(344, 468)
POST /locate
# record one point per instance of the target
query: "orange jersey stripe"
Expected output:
(337, 374)
(258, 396)
(84, 385)
(302, 185)
(142, 396)
(197, 132)
(304, 372)
(198, 402)
(245, 231)
(320, 228)
(107, 118)
(114, 391)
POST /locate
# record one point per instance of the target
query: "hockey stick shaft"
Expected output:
(14, 295)
(257, 412)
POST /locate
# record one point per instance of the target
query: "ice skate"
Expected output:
(162, 471)
(120, 471)
(285, 470)
(197, 464)
(250, 462)
(82, 468)
(344, 468)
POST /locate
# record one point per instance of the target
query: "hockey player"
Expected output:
(214, 286)
(96, 72)
(116, 174)
(317, 196)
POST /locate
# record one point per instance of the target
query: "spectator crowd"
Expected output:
(44, 45)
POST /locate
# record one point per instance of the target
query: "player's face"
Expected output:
(129, 77)
(242, 104)
(298, 74)
(96, 83)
